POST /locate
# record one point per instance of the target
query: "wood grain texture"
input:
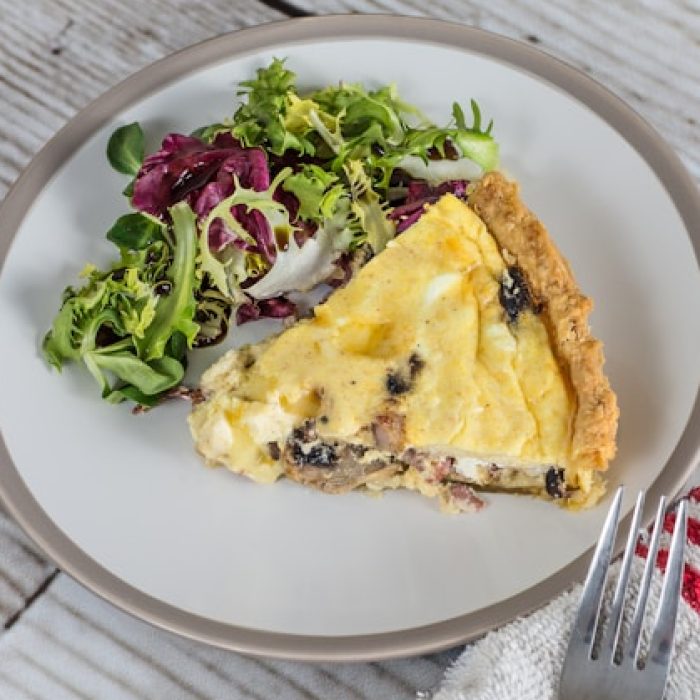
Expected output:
(56, 56)
(22, 571)
(72, 645)
(647, 52)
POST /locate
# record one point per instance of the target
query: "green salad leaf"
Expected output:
(367, 208)
(348, 122)
(317, 190)
(150, 379)
(135, 231)
(175, 311)
(125, 149)
(261, 118)
(207, 133)
(132, 324)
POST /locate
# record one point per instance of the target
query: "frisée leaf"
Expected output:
(128, 324)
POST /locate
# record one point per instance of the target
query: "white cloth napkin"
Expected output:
(523, 660)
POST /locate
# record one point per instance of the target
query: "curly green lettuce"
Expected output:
(348, 122)
(132, 325)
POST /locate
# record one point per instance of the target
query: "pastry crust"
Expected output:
(565, 310)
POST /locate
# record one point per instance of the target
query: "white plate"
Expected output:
(125, 505)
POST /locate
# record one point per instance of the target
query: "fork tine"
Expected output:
(612, 632)
(638, 617)
(665, 622)
(591, 599)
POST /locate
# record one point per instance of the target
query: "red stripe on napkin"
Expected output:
(691, 577)
(693, 528)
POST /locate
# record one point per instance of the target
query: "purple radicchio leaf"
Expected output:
(184, 167)
(279, 307)
(419, 195)
(203, 174)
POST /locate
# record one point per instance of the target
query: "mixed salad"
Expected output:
(294, 190)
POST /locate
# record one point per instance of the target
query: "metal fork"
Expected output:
(601, 666)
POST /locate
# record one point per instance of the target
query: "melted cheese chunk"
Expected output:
(484, 388)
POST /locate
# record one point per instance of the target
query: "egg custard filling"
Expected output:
(456, 361)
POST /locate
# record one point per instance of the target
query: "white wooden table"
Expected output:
(60, 641)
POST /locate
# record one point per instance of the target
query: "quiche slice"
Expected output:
(458, 360)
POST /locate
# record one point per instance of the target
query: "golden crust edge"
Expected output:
(516, 229)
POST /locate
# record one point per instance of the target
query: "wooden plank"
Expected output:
(22, 570)
(56, 56)
(648, 52)
(70, 644)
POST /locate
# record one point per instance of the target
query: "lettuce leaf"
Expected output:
(131, 324)
(261, 118)
(229, 271)
(300, 267)
(317, 191)
(175, 311)
(348, 122)
(379, 230)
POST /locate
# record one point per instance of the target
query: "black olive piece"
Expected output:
(396, 384)
(321, 455)
(306, 432)
(415, 364)
(514, 294)
(298, 455)
(554, 482)
(274, 449)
